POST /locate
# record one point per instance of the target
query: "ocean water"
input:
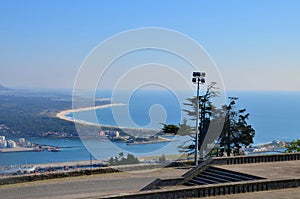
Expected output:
(72, 150)
(76, 150)
(144, 109)
(273, 115)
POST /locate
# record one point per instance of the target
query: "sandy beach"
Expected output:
(62, 114)
(129, 130)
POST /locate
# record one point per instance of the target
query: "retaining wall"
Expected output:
(257, 158)
(212, 190)
(51, 175)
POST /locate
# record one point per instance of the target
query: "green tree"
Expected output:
(170, 129)
(131, 159)
(122, 160)
(205, 115)
(184, 128)
(236, 130)
(294, 146)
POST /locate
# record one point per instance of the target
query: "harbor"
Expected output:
(23, 145)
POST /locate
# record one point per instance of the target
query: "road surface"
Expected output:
(87, 186)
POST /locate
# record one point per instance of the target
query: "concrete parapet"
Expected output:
(72, 173)
(212, 190)
(51, 175)
(257, 159)
(159, 182)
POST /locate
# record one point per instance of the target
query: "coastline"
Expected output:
(16, 149)
(62, 114)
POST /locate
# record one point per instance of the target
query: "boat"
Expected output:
(38, 149)
(28, 169)
(53, 149)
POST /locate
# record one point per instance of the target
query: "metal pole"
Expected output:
(197, 123)
(91, 160)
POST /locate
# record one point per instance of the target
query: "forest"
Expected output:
(34, 114)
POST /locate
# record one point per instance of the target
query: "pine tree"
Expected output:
(236, 130)
(205, 116)
(294, 146)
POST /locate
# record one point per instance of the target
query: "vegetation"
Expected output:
(181, 129)
(122, 160)
(236, 130)
(294, 146)
(34, 114)
(206, 115)
(185, 129)
(170, 129)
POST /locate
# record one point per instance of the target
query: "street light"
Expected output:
(198, 78)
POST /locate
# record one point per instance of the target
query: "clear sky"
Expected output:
(255, 43)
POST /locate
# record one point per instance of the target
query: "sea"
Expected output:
(273, 115)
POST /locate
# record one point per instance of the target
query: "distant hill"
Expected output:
(3, 88)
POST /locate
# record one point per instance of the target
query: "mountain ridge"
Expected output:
(3, 88)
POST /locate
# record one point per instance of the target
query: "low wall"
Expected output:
(162, 182)
(226, 160)
(51, 175)
(257, 158)
(159, 182)
(212, 190)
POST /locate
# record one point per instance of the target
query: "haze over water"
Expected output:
(274, 115)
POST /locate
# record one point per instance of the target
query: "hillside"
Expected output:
(3, 88)
(34, 114)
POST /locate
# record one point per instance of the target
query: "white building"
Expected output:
(3, 144)
(11, 144)
(117, 134)
(22, 140)
(2, 138)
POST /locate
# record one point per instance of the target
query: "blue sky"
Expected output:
(255, 44)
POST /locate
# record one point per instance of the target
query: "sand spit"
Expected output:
(62, 114)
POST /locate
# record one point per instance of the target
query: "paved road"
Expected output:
(86, 186)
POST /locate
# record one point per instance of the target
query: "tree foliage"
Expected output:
(181, 129)
(205, 116)
(170, 129)
(35, 115)
(236, 130)
(184, 128)
(122, 160)
(294, 146)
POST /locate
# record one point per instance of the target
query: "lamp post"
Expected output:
(198, 78)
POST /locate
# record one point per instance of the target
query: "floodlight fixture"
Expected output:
(198, 78)
(196, 74)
